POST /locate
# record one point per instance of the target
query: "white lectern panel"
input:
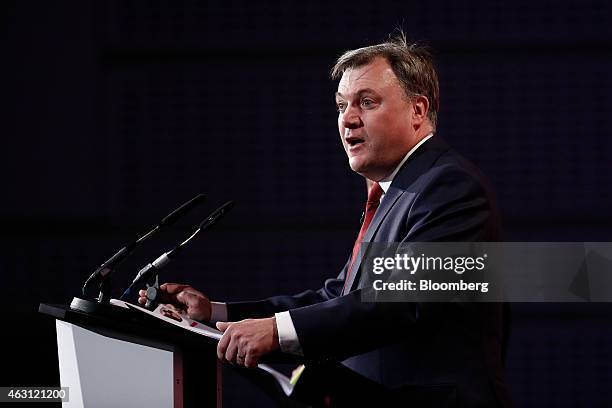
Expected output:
(106, 372)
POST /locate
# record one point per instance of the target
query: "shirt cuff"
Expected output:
(287, 336)
(218, 312)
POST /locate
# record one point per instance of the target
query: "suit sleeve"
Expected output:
(453, 206)
(276, 304)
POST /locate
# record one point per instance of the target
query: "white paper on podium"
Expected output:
(179, 318)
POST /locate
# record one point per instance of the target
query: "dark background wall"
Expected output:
(114, 112)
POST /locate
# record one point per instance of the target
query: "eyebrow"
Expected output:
(360, 92)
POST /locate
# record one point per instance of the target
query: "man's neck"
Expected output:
(386, 182)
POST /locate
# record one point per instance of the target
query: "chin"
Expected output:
(365, 169)
(357, 166)
(362, 171)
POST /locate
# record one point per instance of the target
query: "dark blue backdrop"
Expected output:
(115, 112)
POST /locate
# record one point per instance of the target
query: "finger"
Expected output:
(232, 351)
(222, 346)
(190, 289)
(172, 288)
(142, 296)
(251, 360)
(186, 298)
(169, 292)
(222, 326)
(191, 304)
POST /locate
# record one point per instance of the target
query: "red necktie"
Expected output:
(371, 205)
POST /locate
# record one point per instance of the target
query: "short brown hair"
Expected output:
(412, 64)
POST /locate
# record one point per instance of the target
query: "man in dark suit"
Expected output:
(420, 190)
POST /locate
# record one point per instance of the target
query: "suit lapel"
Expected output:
(389, 199)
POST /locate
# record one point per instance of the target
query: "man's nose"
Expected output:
(351, 118)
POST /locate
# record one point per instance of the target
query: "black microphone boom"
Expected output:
(211, 220)
(182, 210)
(109, 265)
(150, 269)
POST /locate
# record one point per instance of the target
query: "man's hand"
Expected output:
(244, 342)
(184, 297)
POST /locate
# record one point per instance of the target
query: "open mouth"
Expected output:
(353, 141)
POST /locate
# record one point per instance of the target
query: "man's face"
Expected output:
(375, 119)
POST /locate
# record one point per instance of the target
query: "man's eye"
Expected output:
(367, 103)
(341, 107)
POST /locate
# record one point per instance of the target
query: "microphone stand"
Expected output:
(102, 275)
(150, 273)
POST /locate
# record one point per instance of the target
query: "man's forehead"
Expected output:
(375, 75)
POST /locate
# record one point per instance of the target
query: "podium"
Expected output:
(121, 358)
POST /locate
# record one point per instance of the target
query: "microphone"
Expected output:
(150, 269)
(109, 265)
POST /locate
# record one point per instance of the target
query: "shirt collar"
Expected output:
(386, 182)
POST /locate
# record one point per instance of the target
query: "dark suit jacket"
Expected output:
(437, 354)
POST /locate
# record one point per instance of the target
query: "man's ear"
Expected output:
(420, 109)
